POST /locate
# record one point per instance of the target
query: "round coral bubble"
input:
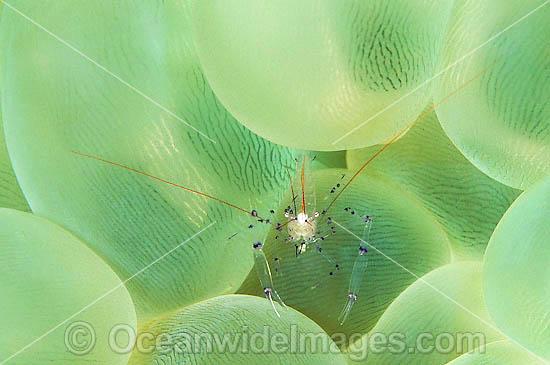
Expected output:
(501, 122)
(307, 74)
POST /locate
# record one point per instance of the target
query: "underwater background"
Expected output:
(102, 264)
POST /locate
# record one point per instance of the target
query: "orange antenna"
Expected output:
(407, 128)
(304, 186)
(253, 212)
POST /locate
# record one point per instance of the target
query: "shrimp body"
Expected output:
(302, 228)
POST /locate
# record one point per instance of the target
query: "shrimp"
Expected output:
(305, 226)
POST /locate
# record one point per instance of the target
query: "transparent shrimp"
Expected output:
(305, 226)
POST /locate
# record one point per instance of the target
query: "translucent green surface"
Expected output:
(401, 229)
(48, 276)
(502, 122)
(437, 308)
(425, 163)
(327, 160)
(10, 192)
(304, 73)
(59, 101)
(516, 274)
(499, 353)
(240, 330)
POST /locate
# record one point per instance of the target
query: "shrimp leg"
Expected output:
(262, 267)
(357, 274)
